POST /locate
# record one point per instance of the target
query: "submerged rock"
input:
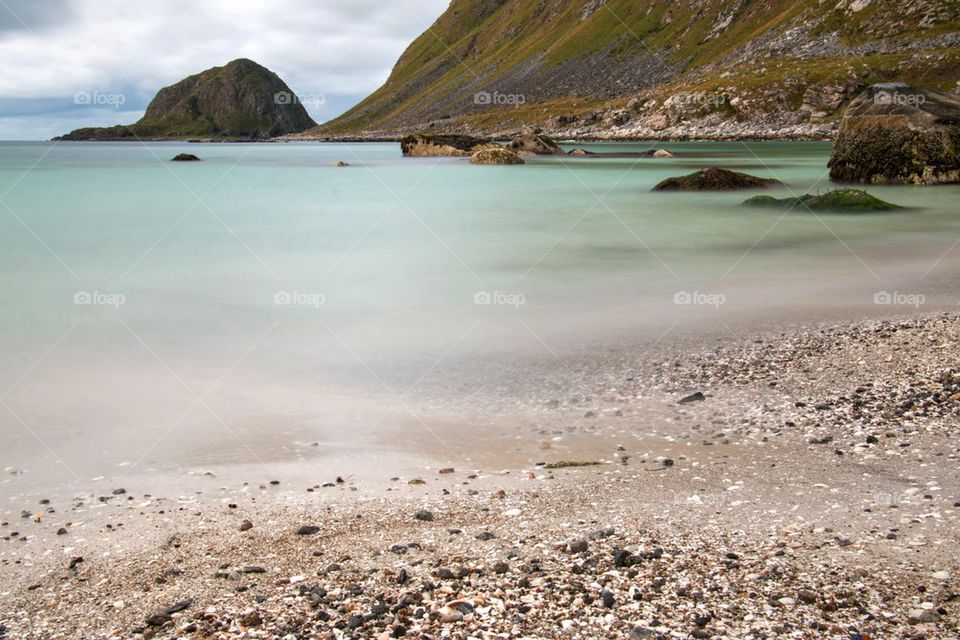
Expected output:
(838, 200)
(495, 155)
(427, 145)
(536, 144)
(894, 133)
(714, 179)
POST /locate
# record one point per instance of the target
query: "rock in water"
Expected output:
(241, 101)
(536, 144)
(714, 179)
(495, 155)
(836, 201)
(427, 145)
(185, 157)
(895, 133)
(662, 153)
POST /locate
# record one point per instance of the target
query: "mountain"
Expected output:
(656, 68)
(241, 100)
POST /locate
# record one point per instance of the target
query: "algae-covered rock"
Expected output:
(899, 134)
(495, 155)
(185, 157)
(836, 201)
(434, 145)
(714, 179)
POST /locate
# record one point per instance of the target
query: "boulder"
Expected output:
(495, 155)
(839, 200)
(662, 153)
(185, 157)
(580, 152)
(426, 145)
(534, 143)
(714, 179)
(895, 133)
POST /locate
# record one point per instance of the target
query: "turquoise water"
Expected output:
(189, 269)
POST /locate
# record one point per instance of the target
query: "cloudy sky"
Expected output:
(71, 63)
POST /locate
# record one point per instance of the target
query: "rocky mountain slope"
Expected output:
(241, 100)
(657, 68)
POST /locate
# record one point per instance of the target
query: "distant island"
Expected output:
(239, 101)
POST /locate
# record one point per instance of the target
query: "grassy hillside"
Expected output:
(545, 58)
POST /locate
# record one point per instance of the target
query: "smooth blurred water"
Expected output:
(398, 251)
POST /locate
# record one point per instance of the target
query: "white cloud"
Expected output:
(341, 49)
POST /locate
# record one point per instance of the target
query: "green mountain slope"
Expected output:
(488, 65)
(241, 100)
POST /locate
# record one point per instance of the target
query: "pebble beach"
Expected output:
(801, 484)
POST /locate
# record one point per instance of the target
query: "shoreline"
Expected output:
(811, 491)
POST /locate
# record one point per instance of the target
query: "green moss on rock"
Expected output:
(837, 201)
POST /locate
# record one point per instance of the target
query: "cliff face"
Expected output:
(241, 100)
(636, 67)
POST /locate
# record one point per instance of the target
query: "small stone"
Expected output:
(246, 525)
(920, 616)
(941, 575)
(308, 530)
(607, 598)
(62, 531)
(158, 619)
(423, 515)
(694, 397)
(447, 471)
(578, 546)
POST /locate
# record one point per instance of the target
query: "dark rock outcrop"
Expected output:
(714, 179)
(495, 155)
(837, 201)
(239, 101)
(534, 143)
(185, 157)
(425, 145)
(899, 134)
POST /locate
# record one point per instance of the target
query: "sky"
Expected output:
(66, 64)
